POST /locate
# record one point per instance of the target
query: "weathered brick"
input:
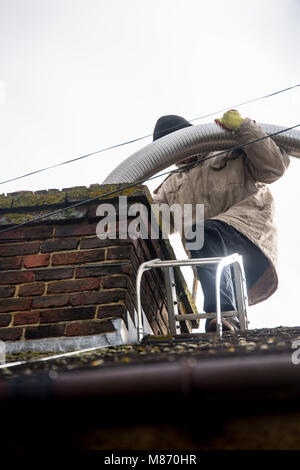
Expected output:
(10, 334)
(130, 288)
(76, 229)
(144, 249)
(13, 249)
(27, 233)
(26, 318)
(90, 298)
(35, 261)
(67, 314)
(15, 277)
(77, 193)
(115, 281)
(76, 257)
(38, 199)
(89, 328)
(127, 269)
(44, 331)
(36, 288)
(112, 310)
(94, 242)
(11, 263)
(119, 252)
(93, 211)
(50, 301)
(5, 202)
(7, 291)
(5, 320)
(19, 193)
(59, 244)
(100, 270)
(75, 285)
(53, 274)
(130, 306)
(7, 264)
(76, 300)
(10, 305)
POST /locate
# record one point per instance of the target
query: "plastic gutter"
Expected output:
(270, 376)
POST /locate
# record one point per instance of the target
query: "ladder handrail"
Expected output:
(222, 262)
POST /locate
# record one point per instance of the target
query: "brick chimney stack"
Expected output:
(61, 287)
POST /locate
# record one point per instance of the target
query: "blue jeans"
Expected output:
(220, 239)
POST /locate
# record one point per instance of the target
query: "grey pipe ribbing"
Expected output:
(172, 148)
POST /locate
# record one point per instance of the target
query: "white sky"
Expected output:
(80, 75)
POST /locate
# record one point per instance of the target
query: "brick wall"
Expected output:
(57, 279)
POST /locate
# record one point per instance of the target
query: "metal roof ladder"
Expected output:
(167, 266)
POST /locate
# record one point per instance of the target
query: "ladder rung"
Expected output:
(198, 316)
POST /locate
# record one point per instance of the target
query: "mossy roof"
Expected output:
(156, 349)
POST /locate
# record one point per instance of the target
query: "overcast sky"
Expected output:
(80, 75)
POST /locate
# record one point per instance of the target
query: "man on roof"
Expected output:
(238, 208)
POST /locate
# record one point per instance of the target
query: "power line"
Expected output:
(247, 102)
(109, 193)
(72, 160)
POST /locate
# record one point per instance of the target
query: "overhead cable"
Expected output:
(72, 160)
(119, 190)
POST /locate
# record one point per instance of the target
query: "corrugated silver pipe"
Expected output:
(172, 148)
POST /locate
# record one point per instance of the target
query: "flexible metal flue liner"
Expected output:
(181, 144)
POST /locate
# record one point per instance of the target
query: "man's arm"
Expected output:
(159, 193)
(266, 161)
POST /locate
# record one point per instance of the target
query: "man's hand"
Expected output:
(231, 120)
